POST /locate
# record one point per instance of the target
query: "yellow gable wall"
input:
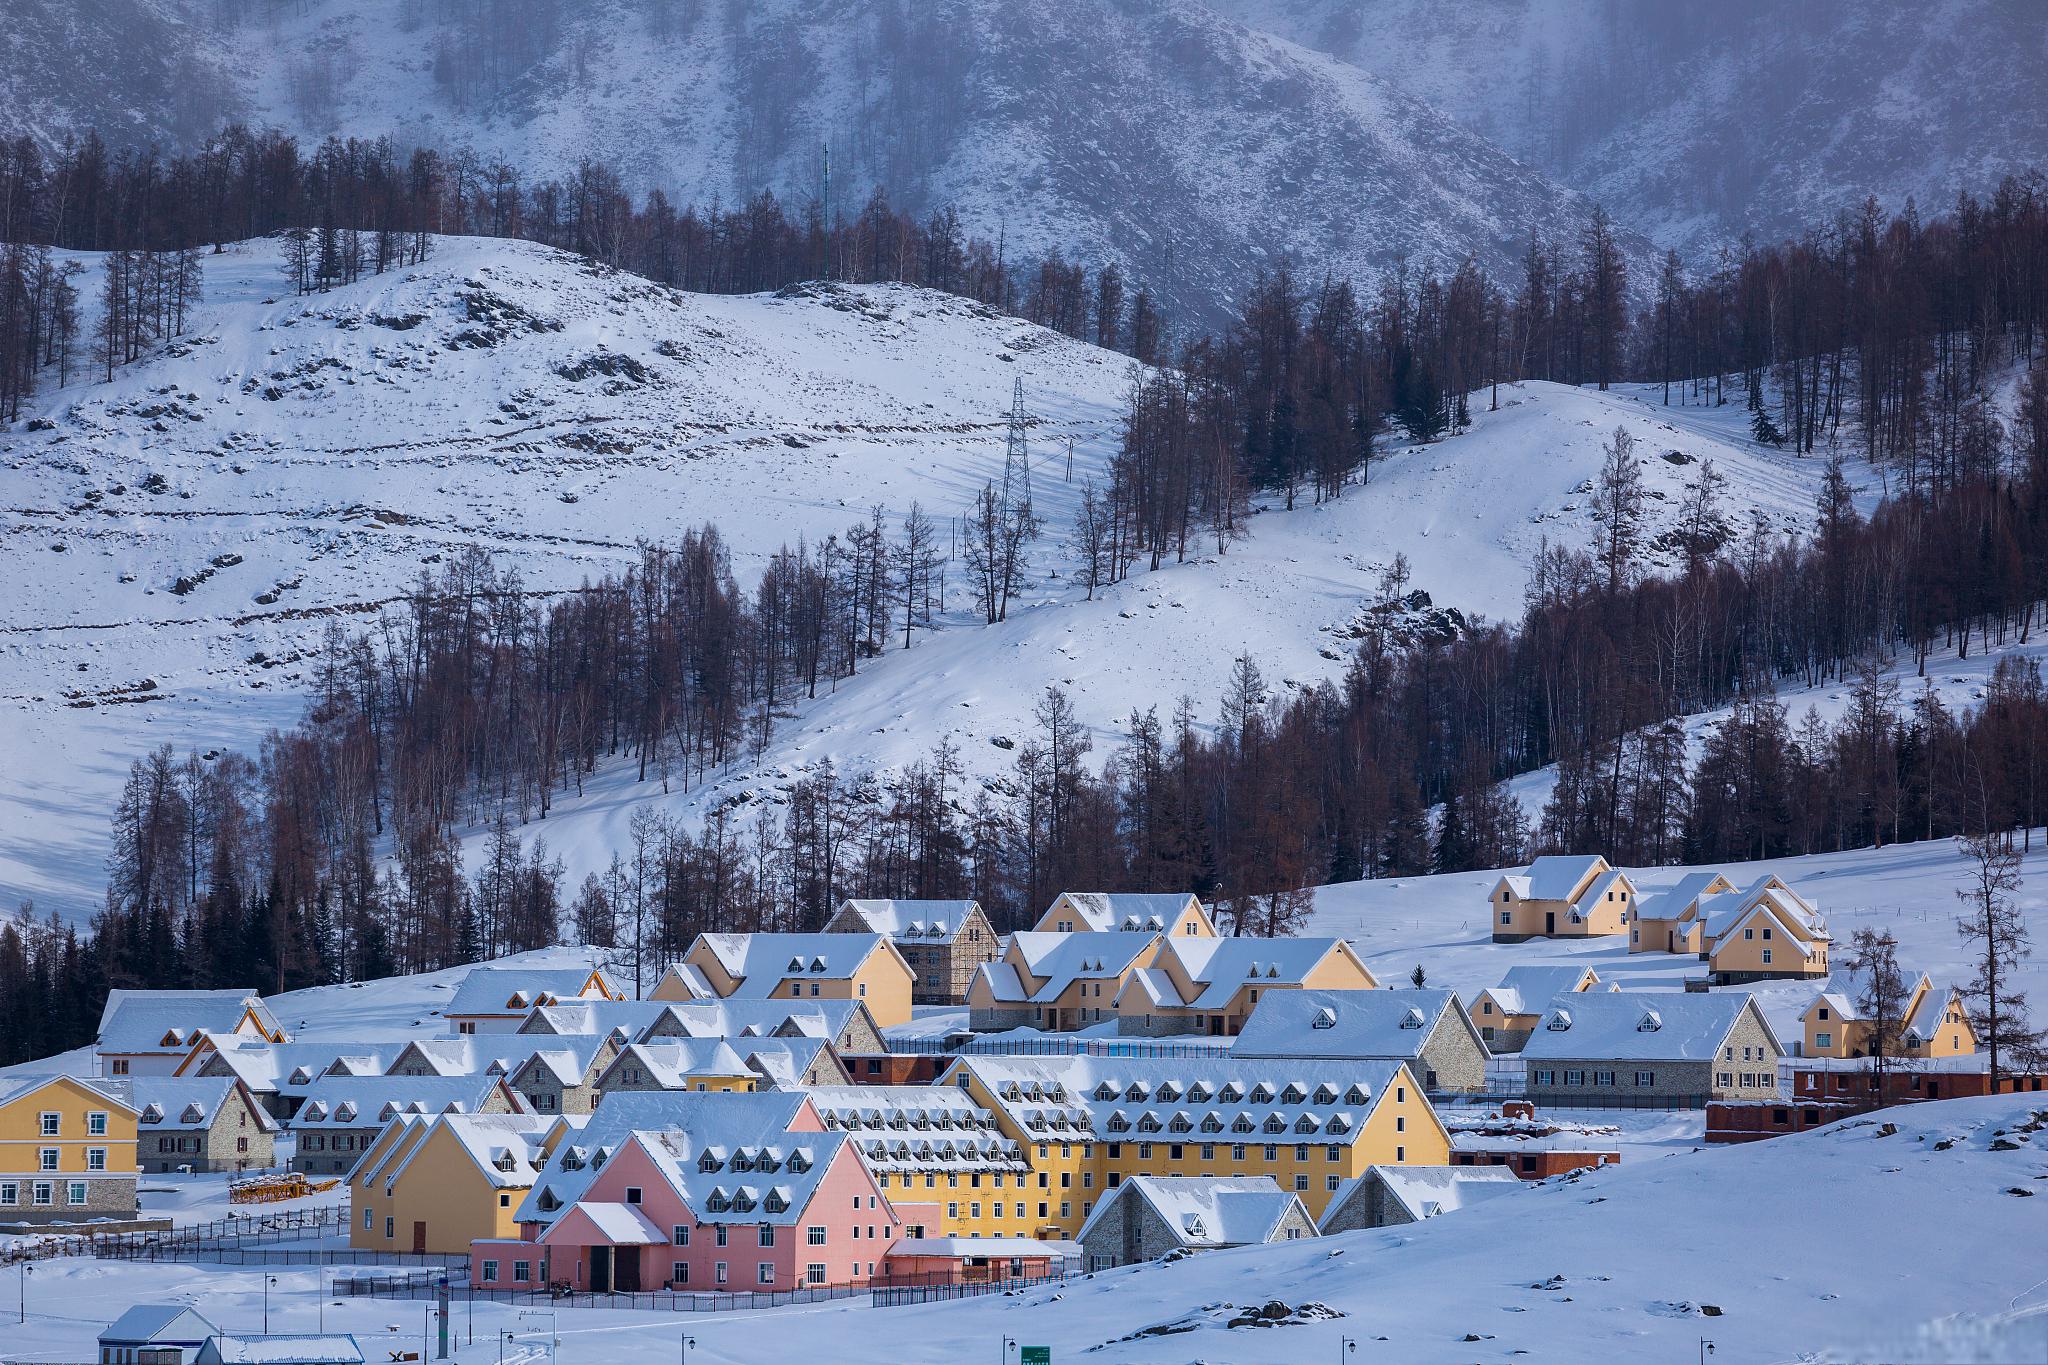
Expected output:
(441, 1187)
(21, 1139)
(1736, 953)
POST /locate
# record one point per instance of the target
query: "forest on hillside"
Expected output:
(331, 853)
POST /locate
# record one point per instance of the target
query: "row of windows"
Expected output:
(1750, 1079)
(340, 1142)
(53, 1123)
(49, 1158)
(42, 1192)
(1574, 1076)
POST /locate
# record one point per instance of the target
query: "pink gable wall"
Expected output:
(859, 1228)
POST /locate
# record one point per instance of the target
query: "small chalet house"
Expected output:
(151, 1033)
(791, 967)
(944, 942)
(1562, 896)
(791, 1063)
(1767, 932)
(1670, 921)
(431, 1186)
(1506, 1014)
(1059, 981)
(202, 1124)
(1148, 1216)
(1105, 912)
(1933, 1022)
(561, 1078)
(1388, 1196)
(271, 1072)
(845, 1024)
(1427, 1029)
(1681, 1048)
(678, 1064)
(498, 999)
(162, 1333)
(67, 1151)
(1212, 985)
(695, 1191)
(343, 1115)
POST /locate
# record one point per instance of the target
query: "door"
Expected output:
(1550, 921)
(626, 1270)
(600, 1270)
(1934, 1090)
(419, 1239)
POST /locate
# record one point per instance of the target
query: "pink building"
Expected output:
(697, 1191)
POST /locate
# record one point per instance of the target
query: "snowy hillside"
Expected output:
(1770, 117)
(1147, 131)
(183, 537)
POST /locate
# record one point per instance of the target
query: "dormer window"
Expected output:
(1650, 1022)
(1412, 1019)
(1325, 1018)
(1356, 1095)
(1559, 1021)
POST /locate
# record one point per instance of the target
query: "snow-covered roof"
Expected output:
(1555, 876)
(1224, 1098)
(567, 1059)
(1794, 914)
(914, 921)
(1527, 989)
(623, 1224)
(1844, 986)
(782, 1062)
(504, 1147)
(648, 1020)
(471, 1054)
(1348, 1024)
(1683, 896)
(187, 1101)
(1426, 1191)
(1060, 959)
(279, 1348)
(166, 1323)
(263, 1065)
(1026, 1247)
(507, 991)
(1224, 966)
(1129, 912)
(171, 1021)
(368, 1101)
(14, 1087)
(1640, 1026)
(760, 962)
(723, 1154)
(670, 1062)
(1207, 1210)
(917, 1128)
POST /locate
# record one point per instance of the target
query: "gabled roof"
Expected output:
(670, 1062)
(567, 1059)
(1681, 897)
(1060, 959)
(1726, 910)
(708, 1147)
(1595, 893)
(263, 1065)
(1684, 1026)
(759, 962)
(508, 991)
(368, 1101)
(1207, 1210)
(172, 1021)
(471, 1054)
(1127, 912)
(1555, 876)
(1426, 1191)
(503, 1147)
(280, 1348)
(1843, 988)
(1224, 966)
(917, 1128)
(1926, 1019)
(16, 1087)
(1348, 1024)
(914, 921)
(782, 1062)
(1527, 989)
(188, 1101)
(165, 1323)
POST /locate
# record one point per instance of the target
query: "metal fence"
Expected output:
(1546, 1101)
(288, 1225)
(1062, 1046)
(897, 1296)
(882, 1291)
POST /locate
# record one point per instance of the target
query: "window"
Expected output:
(96, 1123)
(1301, 1184)
(1333, 1152)
(52, 1123)
(1331, 1182)
(1603, 1078)
(522, 1271)
(1823, 1040)
(814, 1273)
(764, 1272)
(367, 1216)
(1574, 1077)
(1400, 1154)
(1823, 1015)
(390, 1227)
(1208, 1151)
(1646, 1078)
(767, 1234)
(46, 1159)
(490, 1272)
(1301, 1151)
(1237, 1151)
(1066, 1209)
(1506, 918)
(43, 1192)
(719, 1273)
(75, 1194)
(120, 1066)
(719, 1233)
(632, 1194)
(1544, 1076)
(678, 1272)
(1272, 1153)
(1724, 1078)
(1767, 957)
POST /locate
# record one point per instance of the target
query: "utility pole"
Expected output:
(1017, 453)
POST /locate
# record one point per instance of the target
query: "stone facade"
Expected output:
(1746, 1068)
(219, 1146)
(1453, 1059)
(333, 1149)
(1130, 1230)
(1366, 1205)
(1506, 1040)
(106, 1196)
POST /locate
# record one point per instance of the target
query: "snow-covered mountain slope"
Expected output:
(1147, 131)
(1765, 115)
(294, 463)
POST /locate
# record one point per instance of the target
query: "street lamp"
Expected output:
(503, 1334)
(688, 1342)
(268, 1280)
(26, 1271)
(1706, 1349)
(1348, 1347)
(1009, 1345)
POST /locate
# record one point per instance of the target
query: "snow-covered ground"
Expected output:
(1849, 1243)
(383, 452)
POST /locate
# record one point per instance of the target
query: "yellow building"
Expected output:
(1561, 896)
(1670, 921)
(790, 967)
(1086, 1124)
(1506, 1014)
(434, 1185)
(1767, 932)
(67, 1151)
(1104, 912)
(942, 1160)
(1061, 980)
(1933, 1022)
(1212, 985)
(709, 1065)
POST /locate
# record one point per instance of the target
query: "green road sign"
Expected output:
(1034, 1355)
